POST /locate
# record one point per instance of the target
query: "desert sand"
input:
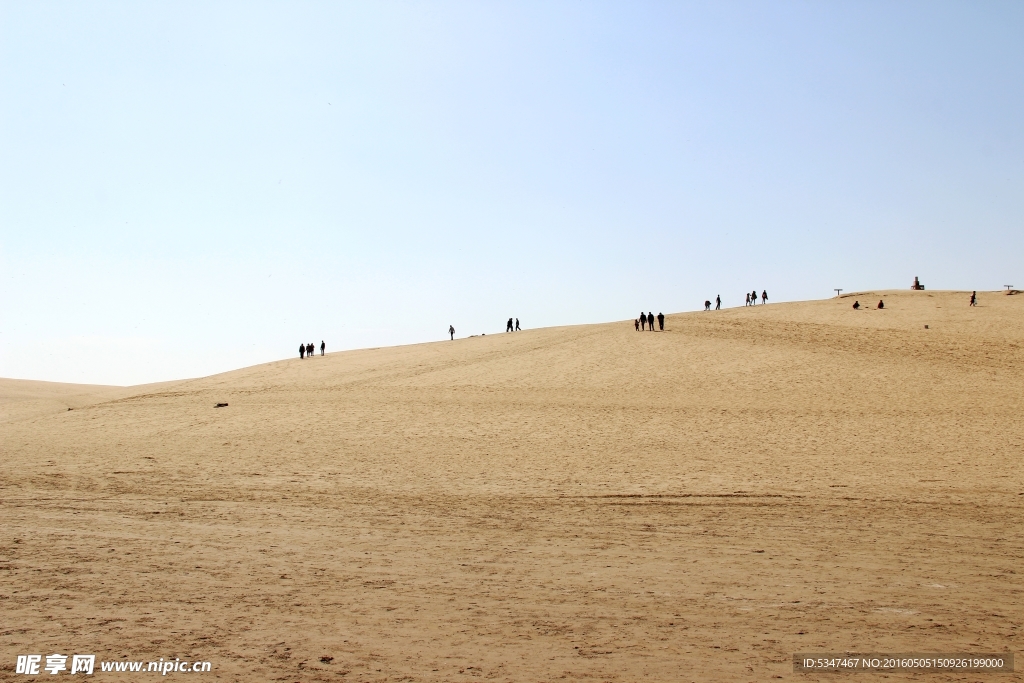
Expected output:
(580, 503)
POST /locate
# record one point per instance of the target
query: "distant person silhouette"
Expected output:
(323, 347)
(764, 296)
(856, 305)
(636, 324)
(517, 325)
(650, 321)
(451, 331)
(707, 305)
(661, 321)
(881, 304)
(643, 320)
(718, 302)
(302, 350)
(746, 301)
(974, 298)
(753, 298)
(508, 325)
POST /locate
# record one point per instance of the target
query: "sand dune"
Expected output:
(587, 503)
(21, 399)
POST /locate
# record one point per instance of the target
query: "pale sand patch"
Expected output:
(590, 502)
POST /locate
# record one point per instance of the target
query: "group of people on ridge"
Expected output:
(646, 321)
(307, 350)
(509, 328)
(752, 298)
(718, 303)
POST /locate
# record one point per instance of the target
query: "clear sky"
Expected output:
(187, 188)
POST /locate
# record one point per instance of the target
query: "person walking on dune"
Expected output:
(508, 325)
(746, 299)
(451, 331)
(856, 305)
(323, 347)
(643, 320)
(661, 321)
(309, 350)
(707, 305)
(636, 324)
(764, 296)
(517, 325)
(718, 302)
(753, 298)
(650, 321)
(974, 298)
(302, 350)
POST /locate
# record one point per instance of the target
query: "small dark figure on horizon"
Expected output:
(451, 331)
(718, 302)
(517, 325)
(650, 321)
(661, 321)
(323, 347)
(881, 304)
(636, 324)
(302, 350)
(753, 298)
(746, 301)
(764, 296)
(974, 298)
(856, 305)
(643, 320)
(707, 305)
(508, 325)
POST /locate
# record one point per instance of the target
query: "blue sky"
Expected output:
(188, 188)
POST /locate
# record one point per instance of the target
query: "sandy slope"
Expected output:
(21, 399)
(588, 503)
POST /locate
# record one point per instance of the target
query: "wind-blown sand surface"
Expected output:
(582, 503)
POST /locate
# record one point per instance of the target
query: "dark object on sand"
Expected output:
(221, 405)
(856, 305)
(327, 659)
(917, 284)
(881, 304)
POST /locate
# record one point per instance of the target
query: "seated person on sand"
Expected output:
(881, 304)
(856, 305)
